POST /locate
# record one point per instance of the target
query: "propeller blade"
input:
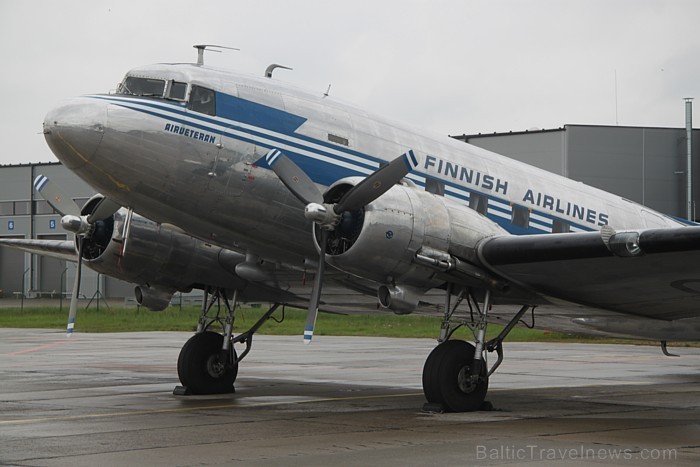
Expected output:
(104, 209)
(316, 292)
(293, 177)
(63, 204)
(377, 183)
(301, 186)
(76, 289)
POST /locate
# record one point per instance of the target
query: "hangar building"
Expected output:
(24, 214)
(645, 165)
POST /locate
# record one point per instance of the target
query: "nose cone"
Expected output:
(74, 130)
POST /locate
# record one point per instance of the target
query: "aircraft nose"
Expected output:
(74, 130)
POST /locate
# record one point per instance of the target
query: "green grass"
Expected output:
(175, 319)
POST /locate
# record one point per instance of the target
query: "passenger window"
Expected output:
(521, 216)
(479, 203)
(559, 226)
(178, 90)
(435, 187)
(202, 100)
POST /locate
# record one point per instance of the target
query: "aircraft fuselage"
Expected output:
(200, 164)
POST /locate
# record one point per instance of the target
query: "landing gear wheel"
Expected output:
(201, 367)
(431, 387)
(446, 378)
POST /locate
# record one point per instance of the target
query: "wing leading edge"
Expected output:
(652, 273)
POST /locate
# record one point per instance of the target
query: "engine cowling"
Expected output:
(160, 258)
(380, 241)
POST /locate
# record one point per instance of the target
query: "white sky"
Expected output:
(453, 67)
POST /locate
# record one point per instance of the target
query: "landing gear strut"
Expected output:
(455, 376)
(208, 363)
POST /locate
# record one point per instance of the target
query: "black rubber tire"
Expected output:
(431, 389)
(441, 378)
(198, 358)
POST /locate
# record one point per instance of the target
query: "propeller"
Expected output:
(328, 215)
(48, 191)
(74, 221)
(76, 289)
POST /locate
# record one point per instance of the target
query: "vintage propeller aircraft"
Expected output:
(243, 185)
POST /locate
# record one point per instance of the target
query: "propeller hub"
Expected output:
(75, 224)
(322, 214)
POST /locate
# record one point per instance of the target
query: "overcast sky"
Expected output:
(449, 66)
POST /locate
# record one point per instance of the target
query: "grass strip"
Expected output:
(136, 319)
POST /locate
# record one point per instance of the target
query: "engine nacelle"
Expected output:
(380, 241)
(160, 258)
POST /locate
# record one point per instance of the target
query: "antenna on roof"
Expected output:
(212, 48)
(271, 68)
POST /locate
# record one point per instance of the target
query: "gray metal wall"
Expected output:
(11, 270)
(33, 273)
(646, 165)
(543, 149)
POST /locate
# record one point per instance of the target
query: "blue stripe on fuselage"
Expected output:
(258, 115)
(285, 125)
(352, 157)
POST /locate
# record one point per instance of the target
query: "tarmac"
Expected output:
(107, 400)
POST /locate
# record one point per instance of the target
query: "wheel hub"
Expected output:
(466, 382)
(215, 367)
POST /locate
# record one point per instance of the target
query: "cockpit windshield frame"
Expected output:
(195, 97)
(176, 90)
(142, 87)
(160, 88)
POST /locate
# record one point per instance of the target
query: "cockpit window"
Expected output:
(202, 100)
(147, 87)
(177, 90)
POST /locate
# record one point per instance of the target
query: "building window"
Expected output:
(43, 207)
(7, 208)
(22, 208)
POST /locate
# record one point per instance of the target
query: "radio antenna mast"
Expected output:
(210, 47)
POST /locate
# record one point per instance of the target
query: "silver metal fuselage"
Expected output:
(206, 173)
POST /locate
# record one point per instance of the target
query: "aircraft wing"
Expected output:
(60, 249)
(650, 273)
